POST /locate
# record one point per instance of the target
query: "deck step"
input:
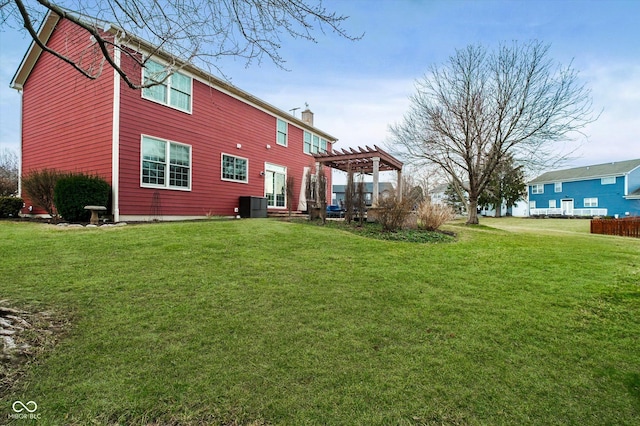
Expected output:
(285, 214)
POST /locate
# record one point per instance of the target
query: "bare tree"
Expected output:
(193, 31)
(482, 105)
(321, 194)
(349, 196)
(8, 172)
(290, 193)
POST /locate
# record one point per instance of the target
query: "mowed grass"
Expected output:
(269, 322)
(521, 224)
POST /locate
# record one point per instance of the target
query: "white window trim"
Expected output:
(327, 142)
(584, 202)
(222, 168)
(278, 169)
(607, 180)
(167, 82)
(168, 164)
(552, 204)
(556, 185)
(537, 185)
(286, 133)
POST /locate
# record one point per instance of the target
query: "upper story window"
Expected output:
(537, 188)
(165, 164)
(174, 91)
(611, 180)
(314, 144)
(235, 168)
(281, 132)
(557, 187)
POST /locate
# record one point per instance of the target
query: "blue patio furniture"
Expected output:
(334, 211)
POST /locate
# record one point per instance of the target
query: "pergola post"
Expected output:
(376, 172)
(399, 190)
(317, 185)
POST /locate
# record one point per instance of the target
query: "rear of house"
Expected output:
(610, 189)
(187, 148)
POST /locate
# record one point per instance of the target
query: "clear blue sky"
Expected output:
(356, 89)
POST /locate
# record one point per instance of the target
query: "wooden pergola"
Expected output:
(364, 160)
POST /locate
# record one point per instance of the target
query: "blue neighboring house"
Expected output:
(611, 189)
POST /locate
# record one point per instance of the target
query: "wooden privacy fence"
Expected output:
(625, 227)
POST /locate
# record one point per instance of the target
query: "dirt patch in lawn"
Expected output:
(25, 336)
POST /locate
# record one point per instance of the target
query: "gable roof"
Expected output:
(51, 20)
(619, 168)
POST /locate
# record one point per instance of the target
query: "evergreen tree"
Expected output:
(507, 185)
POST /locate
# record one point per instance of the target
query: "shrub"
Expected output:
(432, 216)
(10, 206)
(74, 192)
(39, 186)
(393, 213)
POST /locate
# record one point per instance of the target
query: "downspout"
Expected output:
(20, 136)
(115, 132)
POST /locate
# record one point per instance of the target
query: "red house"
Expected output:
(184, 149)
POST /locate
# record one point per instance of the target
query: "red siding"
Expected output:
(218, 123)
(68, 125)
(67, 118)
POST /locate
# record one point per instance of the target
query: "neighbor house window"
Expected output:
(552, 204)
(608, 180)
(591, 202)
(281, 133)
(557, 187)
(165, 164)
(234, 168)
(174, 90)
(537, 188)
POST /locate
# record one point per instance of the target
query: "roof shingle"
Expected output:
(617, 168)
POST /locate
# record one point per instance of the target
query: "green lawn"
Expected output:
(269, 322)
(538, 225)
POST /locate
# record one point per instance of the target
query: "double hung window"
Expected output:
(281, 133)
(173, 90)
(165, 164)
(591, 202)
(234, 168)
(314, 144)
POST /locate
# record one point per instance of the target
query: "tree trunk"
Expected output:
(498, 210)
(472, 218)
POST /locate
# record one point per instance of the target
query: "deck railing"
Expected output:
(574, 212)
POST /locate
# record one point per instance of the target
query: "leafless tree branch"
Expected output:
(469, 114)
(197, 31)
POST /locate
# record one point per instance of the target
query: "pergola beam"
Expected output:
(360, 161)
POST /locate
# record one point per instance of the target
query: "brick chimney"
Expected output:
(307, 117)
